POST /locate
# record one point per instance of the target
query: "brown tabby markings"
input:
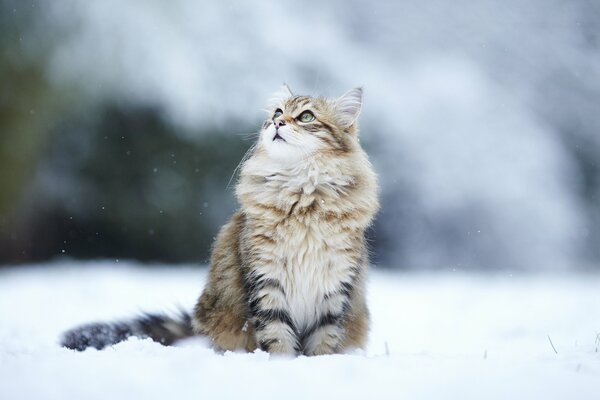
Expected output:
(288, 271)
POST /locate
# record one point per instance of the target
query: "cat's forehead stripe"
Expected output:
(297, 102)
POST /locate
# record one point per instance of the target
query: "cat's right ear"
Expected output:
(349, 105)
(280, 96)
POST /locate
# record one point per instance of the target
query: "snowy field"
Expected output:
(434, 336)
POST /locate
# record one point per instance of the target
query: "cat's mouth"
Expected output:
(277, 137)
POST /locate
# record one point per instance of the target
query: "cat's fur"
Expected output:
(288, 270)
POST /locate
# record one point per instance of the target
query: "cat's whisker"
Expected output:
(255, 133)
(247, 135)
(243, 160)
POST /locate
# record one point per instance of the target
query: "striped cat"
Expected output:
(288, 270)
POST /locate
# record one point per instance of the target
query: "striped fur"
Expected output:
(288, 271)
(161, 328)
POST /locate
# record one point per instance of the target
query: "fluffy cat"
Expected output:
(288, 270)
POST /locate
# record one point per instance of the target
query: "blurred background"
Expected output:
(121, 123)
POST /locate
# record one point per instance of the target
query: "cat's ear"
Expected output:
(286, 89)
(348, 106)
(282, 94)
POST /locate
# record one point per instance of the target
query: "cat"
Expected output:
(288, 271)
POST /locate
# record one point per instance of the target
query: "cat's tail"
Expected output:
(161, 328)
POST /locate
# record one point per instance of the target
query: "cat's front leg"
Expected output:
(328, 333)
(273, 326)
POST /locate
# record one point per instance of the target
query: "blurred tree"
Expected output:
(90, 177)
(28, 109)
(123, 183)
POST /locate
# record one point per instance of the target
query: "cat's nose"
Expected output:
(279, 122)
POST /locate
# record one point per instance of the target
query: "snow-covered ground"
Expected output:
(435, 335)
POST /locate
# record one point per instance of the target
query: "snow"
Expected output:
(434, 335)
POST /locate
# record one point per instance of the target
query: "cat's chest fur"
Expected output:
(310, 265)
(310, 239)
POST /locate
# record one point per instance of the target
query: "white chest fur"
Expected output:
(309, 249)
(311, 253)
(311, 266)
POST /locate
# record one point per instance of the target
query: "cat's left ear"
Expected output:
(348, 106)
(282, 94)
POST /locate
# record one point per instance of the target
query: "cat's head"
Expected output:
(298, 127)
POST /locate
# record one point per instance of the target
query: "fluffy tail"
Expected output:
(158, 327)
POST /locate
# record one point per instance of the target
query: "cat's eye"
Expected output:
(306, 116)
(278, 113)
